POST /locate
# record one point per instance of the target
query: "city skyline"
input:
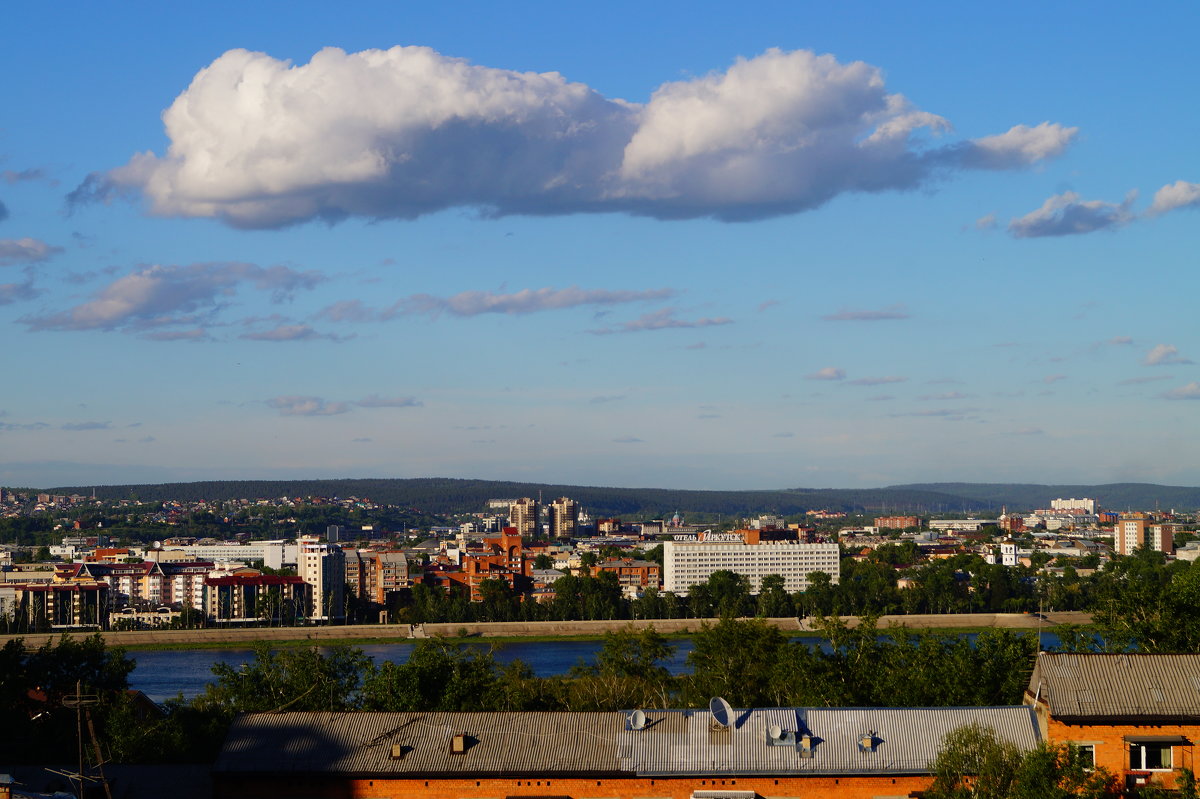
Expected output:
(625, 246)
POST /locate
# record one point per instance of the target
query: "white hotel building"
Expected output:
(690, 562)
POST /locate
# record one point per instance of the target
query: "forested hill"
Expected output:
(1113, 496)
(445, 496)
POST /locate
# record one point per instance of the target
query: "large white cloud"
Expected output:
(259, 142)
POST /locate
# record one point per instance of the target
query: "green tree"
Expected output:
(735, 659)
(438, 675)
(773, 600)
(288, 679)
(974, 763)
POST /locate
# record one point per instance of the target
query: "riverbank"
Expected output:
(361, 634)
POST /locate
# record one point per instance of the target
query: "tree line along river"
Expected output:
(167, 673)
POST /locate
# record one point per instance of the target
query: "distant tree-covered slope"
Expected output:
(444, 496)
(447, 496)
(1113, 496)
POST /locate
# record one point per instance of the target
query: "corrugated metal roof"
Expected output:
(674, 742)
(361, 743)
(904, 740)
(1103, 686)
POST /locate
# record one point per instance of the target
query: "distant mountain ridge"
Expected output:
(450, 495)
(1029, 496)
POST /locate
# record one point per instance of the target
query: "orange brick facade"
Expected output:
(847, 787)
(1111, 746)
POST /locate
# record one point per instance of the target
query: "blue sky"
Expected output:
(669, 244)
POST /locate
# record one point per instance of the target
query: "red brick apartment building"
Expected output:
(843, 753)
(632, 574)
(897, 522)
(1138, 715)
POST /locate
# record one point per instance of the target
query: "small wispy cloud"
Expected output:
(783, 435)
(762, 306)
(79, 426)
(828, 373)
(877, 381)
(663, 319)
(1066, 214)
(296, 405)
(526, 301)
(12, 176)
(603, 400)
(1180, 194)
(1190, 391)
(1048, 379)
(1163, 354)
(1028, 431)
(949, 414)
(1134, 381)
(949, 395)
(286, 332)
(850, 315)
(25, 251)
(880, 398)
(987, 222)
(10, 427)
(376, 401)
(628, 440)
(156, 297)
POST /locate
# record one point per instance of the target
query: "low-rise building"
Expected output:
(841, 753)
(1138, 716)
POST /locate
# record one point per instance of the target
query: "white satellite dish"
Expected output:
(722, 713)
(775, 731)
(637, 720)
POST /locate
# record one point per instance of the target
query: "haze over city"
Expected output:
(625, 244)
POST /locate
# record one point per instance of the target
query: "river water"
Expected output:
(164, 674)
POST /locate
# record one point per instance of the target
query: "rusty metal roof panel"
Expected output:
(1113, 686)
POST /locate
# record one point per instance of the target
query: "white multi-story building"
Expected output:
(273, 554)
(688, 563)
(323, 566)
(1085, 505)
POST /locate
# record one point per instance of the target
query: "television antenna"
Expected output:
(81, 702)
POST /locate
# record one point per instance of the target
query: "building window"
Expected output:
(1149, 756)
(1087, 755)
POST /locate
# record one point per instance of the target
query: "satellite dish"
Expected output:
(722, 713)
(775, 731)
(637, 720)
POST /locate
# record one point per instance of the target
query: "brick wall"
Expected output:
(854, 787)
(1112, 748)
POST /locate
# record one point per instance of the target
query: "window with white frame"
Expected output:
(1087, 755)
(1150, 756)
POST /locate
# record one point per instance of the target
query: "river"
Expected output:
(167, 673)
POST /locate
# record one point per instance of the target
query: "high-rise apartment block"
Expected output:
(1132, 533)
(323, 566)
(564, 518)
(525, 515)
